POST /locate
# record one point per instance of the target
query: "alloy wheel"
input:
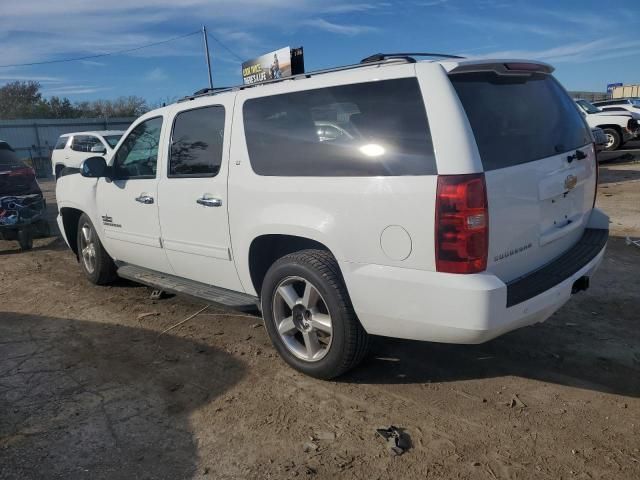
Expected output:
(302, 319)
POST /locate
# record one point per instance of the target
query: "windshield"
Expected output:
(588, 107)
(635, 101)
(112, 140)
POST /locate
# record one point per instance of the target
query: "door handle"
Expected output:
(579, 155)
(144, 198)
(209, 202)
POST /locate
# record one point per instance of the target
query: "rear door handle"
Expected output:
(209, 201)
(144, 198)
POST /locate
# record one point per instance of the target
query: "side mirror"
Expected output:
(98, 149)
(94, 167)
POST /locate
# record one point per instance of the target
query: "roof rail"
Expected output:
(378, 57)
(204, 92)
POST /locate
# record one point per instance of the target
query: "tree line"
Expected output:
(23, 99)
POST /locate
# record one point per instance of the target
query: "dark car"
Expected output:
(16, 178)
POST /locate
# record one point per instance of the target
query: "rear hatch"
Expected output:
(539, 163)
(16, 178)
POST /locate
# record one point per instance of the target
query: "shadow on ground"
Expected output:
(87, 400)
(593, 343)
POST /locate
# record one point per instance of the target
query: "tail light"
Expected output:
(462, 224)
(23, 171)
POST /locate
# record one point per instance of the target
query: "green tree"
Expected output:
(20, 100)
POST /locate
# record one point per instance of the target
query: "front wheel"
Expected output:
(309, 316)
(95, 261)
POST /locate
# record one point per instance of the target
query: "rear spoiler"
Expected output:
(501, 67)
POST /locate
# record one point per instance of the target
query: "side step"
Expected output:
(173, 284)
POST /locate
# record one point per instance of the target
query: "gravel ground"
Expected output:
(89, 388)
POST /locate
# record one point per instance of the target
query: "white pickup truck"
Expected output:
(455, 203)
(619, 127)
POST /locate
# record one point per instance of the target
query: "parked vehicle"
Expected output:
(634, 114)
(72, 148)
(462, 210)
(620, 127)
(22, 205)
(16, 177)
(629, 104)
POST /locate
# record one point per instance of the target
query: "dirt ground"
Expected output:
(90, 388)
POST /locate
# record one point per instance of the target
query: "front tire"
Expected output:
(96, 263)
(309, 316)
(614, 140)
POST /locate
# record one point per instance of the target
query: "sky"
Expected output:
(591, 43)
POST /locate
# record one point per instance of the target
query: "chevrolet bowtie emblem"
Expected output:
(570, 182)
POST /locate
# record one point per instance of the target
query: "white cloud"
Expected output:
(38, 30)
(156, 75)
(327, 26)
(70, 90)
(576, 52)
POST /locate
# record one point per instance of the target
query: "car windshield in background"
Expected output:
(519, 119)
(588, 107)
(112, 140)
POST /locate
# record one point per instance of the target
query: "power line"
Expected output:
(99, 55)
(225, 47)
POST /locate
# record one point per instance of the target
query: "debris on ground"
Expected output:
(631, 241)
(326, 436)
(147, 314)
(516, 402)
(310, 447)
(397, 440)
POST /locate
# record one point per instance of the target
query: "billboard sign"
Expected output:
(274, 65)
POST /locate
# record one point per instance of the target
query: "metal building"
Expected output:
(34, 139)
(626, 91)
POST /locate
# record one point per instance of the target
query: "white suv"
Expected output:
(72, 148)
(458, 207)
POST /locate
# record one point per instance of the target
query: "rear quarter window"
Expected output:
(61, 143)
(366, 129)
(519, 119)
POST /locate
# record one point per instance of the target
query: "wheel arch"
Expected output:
(266, 249)
(70, 218)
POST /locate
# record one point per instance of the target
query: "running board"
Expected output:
(173, 284)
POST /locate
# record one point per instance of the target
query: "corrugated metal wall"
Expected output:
(33, 139)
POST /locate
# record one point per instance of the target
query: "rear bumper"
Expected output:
(466, 309)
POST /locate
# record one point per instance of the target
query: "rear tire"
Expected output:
(309, 316)
(96, 263)
(614, 139)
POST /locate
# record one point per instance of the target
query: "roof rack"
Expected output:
(378, 57)
(372, 61)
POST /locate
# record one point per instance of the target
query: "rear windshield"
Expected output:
(519, 119)
(365, 129)
(112, 140)
(9, 159)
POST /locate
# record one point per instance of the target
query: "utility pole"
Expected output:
(206, 54)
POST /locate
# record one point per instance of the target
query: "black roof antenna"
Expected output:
(379, 57)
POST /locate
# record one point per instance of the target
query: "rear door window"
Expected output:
(519, 119)
(196, 143)
(84, 143)
(365, 129)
